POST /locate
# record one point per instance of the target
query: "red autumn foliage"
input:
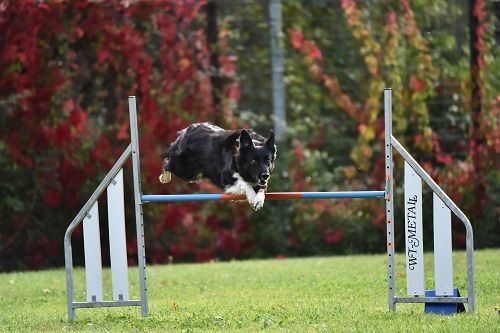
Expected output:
(416, 84)
(471, 181)
(66, 69)
(334, 237)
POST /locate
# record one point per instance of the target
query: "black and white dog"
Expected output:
(236, 161)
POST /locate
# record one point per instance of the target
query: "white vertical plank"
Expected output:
(443, 262)
(413, 233)
(92, 249)
(117, 238)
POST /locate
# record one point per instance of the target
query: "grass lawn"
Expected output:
(334, 294)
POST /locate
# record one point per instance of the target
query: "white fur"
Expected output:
(241, 187)
(180, 135)
(197, 179)
(256, 200)
(212, 127)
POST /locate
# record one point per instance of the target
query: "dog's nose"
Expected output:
(264, 176)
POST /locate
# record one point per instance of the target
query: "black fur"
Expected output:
(206, 151)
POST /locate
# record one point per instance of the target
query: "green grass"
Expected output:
(335, 294)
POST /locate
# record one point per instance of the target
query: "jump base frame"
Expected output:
(444, 296)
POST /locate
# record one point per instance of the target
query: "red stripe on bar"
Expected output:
(269, 196)
(226, 197)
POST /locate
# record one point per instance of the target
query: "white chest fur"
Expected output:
(242, 187)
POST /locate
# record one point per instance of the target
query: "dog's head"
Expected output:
(255, 158)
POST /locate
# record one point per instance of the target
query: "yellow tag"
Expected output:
(165, 177)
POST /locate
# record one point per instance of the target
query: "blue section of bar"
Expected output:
(181, 197)
(277, 196)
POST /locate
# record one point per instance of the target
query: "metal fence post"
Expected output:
(277, 69)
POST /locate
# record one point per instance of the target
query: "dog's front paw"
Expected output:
(258, 201)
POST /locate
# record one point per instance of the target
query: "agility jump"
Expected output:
(444, 299)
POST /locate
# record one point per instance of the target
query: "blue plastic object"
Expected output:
(443, 308)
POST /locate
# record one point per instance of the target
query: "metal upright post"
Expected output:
(389, 200)
(136, 167)
(471, 297)
(68, 258)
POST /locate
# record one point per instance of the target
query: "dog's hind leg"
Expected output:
(182, 166)
(175, 150)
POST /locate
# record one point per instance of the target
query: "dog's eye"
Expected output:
(268, 162)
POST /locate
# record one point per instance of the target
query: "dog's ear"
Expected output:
(245, 140)
(270, 142)
(232, 140)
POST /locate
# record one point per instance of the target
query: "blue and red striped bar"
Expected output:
(269, 196)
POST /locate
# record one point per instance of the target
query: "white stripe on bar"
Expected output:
(92, 249)
(443, 261)
(117, 239)
(413, 232)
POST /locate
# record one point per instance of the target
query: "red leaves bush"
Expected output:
(471, 179)
(66, 69)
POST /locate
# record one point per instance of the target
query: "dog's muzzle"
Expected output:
(263, 178)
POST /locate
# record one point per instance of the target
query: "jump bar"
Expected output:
(269, 196)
